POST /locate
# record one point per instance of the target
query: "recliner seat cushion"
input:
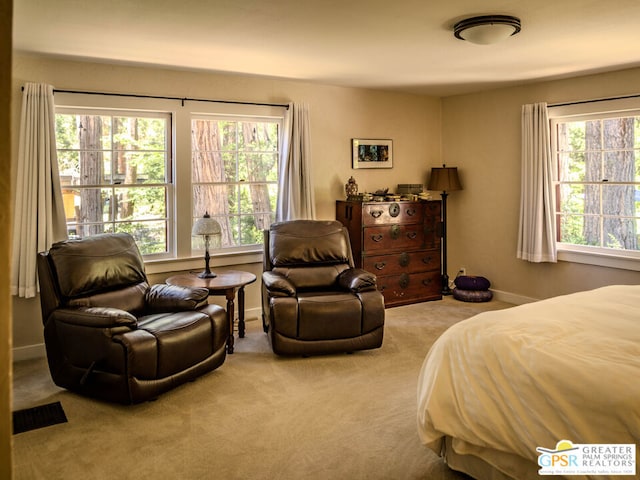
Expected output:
(182, 339)
(331, 315)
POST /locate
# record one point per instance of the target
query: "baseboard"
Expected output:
(512, 297)
(38, 350)
(252, 314)
(29, 352)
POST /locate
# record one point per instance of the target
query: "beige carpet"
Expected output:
(257, 417)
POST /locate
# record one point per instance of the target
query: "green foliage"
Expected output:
(135, 152)
(247, 152)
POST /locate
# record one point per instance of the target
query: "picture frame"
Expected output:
(371, 153)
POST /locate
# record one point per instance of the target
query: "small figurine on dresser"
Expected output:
(351, 189)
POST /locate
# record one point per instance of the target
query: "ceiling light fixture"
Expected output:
(487, 29)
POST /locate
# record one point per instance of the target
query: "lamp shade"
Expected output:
(444, 179)
(206, 226)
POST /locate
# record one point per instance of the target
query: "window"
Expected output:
(598, 191)
(151, 166)
(115, 172)
(234, 174)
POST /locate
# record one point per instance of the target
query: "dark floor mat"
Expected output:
(38, 417)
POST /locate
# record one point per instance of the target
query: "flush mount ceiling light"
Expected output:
(486, 29)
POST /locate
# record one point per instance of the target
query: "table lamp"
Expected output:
(444, 179)
(208, 228)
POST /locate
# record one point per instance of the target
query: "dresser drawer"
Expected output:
(387, 238)
(378, 213)
(404, 288)
(405, 262)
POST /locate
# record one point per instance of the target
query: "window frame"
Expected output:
(592, 255)
(167, 185)
(179, 210)
(236, 117)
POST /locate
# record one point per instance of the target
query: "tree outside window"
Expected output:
(598, 194)
(235, 175)
(115, 174)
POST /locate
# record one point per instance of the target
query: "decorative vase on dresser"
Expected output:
(400, 243)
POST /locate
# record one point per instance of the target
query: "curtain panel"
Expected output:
(296, 200)
(537, 229)
(39, 218)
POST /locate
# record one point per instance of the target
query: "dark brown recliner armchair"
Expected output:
(313, 300)
(110, 335)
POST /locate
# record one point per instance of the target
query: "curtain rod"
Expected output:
(606, 99)
(181, 99)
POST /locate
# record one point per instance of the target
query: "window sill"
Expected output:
(197, 263)
(585, 255)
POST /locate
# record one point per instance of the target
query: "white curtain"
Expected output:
(295, 188)
(39, 218)
(537, 232)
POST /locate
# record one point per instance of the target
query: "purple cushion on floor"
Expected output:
(469, 282)
(472, 295)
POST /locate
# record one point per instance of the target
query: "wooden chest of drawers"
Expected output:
(400, 243)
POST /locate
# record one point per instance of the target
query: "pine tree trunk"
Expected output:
(208, 166)
(619, 199)
(91, 170)
(125, 204)
(257, 173)
(617, 165)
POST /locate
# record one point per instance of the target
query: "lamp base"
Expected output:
(207, 274)
(446, 290)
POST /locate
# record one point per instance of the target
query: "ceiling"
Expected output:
(404, 45)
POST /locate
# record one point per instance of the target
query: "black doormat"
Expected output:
(38, 417)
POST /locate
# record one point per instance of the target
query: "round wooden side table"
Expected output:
(225, 283)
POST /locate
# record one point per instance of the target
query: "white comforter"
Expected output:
(511, 380)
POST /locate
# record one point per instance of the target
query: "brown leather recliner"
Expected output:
(313, 300)
(110, 335)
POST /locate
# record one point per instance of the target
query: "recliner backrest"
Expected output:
(310, 253)
(304, 242)
(102, 270)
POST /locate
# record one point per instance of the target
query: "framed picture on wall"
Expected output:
(369, 153)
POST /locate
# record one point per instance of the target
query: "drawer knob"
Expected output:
(394, 209)
(427, 259)
(376, 238)
(404, 280)
(375, 213)
(395, 232)
(411, 212)
(426, 282)
(380, 265)
(412, 235)
(404, 259)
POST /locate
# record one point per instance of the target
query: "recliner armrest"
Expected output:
(278, 285)
(174, 298)
(96, 317)
(357, 280)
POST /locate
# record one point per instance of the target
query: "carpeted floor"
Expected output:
(258, 416)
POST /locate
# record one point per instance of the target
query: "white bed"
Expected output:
(495, 387)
